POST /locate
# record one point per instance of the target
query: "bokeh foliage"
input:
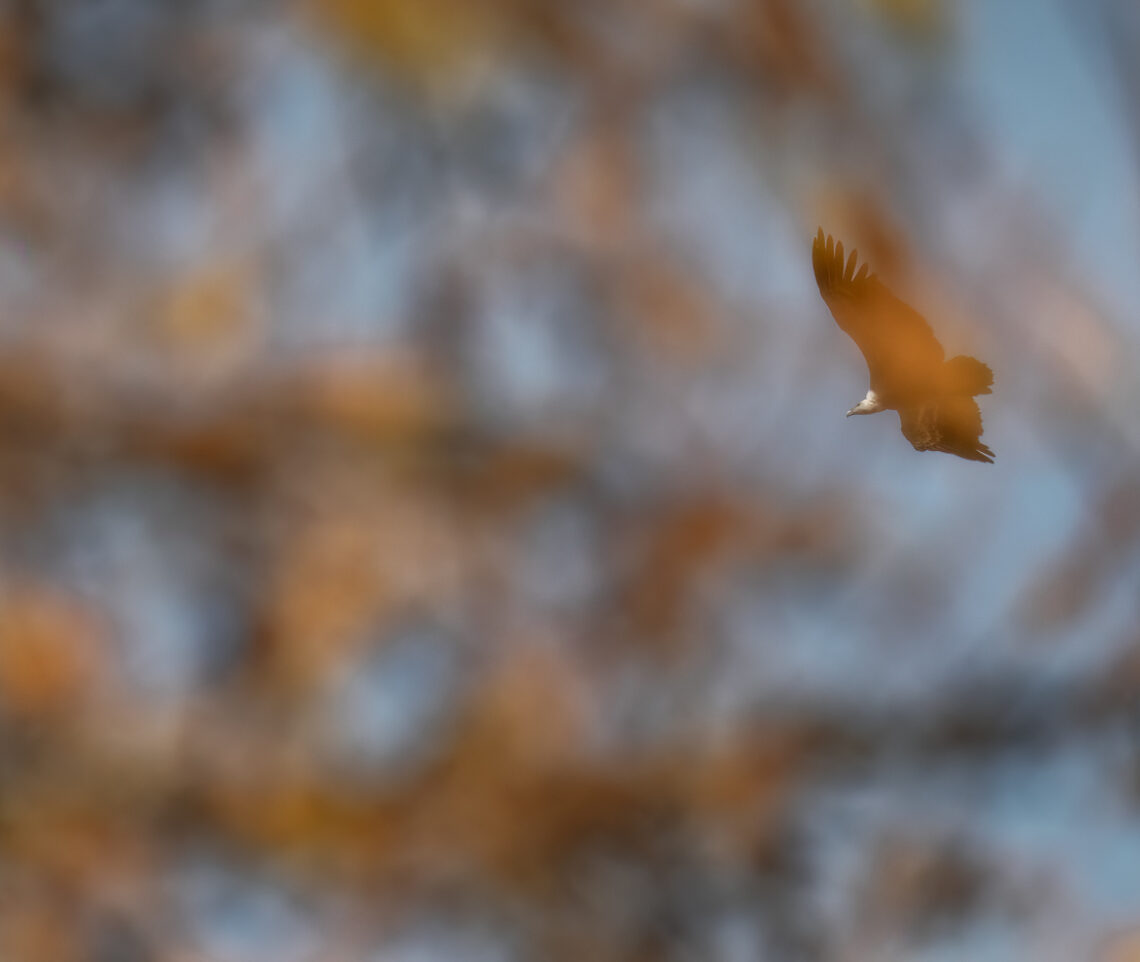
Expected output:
(427, 524)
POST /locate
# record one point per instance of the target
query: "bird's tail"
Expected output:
(968, 376)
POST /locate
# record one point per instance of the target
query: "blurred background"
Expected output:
(428, 525)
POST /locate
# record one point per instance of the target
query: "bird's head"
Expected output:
(869, 405)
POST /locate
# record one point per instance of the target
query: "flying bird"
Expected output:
(934, 397)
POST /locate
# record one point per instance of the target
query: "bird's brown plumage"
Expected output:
(934, 397)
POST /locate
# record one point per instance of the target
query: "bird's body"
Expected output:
(909, 374)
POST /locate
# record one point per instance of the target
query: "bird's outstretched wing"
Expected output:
(950, 424)
(902, 352)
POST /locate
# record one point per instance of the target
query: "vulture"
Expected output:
(909, 373)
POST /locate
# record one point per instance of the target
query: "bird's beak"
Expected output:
(849, 413)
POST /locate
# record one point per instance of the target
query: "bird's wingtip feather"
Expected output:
(834, 265)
